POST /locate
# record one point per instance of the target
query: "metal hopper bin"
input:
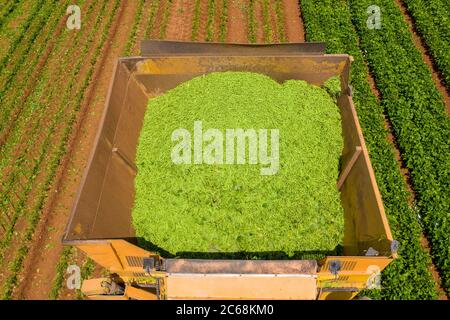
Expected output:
(100, 224)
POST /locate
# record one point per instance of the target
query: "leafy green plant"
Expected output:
(432, 20)
(56, 157)
(280, 21)
(407, 277)
(210, 20)
(251, 21)
(419, 120)
(223, 21)
(165, 19)
(196, 21)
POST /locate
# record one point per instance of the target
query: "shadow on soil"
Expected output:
(242, 255)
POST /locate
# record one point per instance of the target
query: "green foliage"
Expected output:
(133, 33)
(333, 87)
(251, 21)
(165, 19)
(151, 18)
(228, 209)
(408, 277)
(432, 20)
(210, 20)
(268, 32)
(224, 21)
(61, 269)
(70, 108)
(196, 22)
(419, 120)
(280, 21)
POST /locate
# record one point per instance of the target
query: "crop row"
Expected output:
(251, 21)
(69, 107)
(165, 18)
(223, 28)
(67, 252)
(6, 10)
(151, 18)
(133, 33)
(19, 51)
(407, 277)
(281, 31)
(419, 120)
(432, 20)
(15, 35)
(196, 20)
(12, 184)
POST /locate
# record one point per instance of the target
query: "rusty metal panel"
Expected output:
(241, 287)
(199, 266)
(158, 47)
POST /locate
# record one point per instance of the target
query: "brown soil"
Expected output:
(30, 152)
(259, 22)
(426, 57)
(157, 25)
(31, 82)
(217, 19)
(38, 268)
(237, 22)
(293, 21)
(273, 22)
(181, 19)
(202, 32)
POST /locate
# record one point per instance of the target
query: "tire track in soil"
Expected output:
(181, 20)
(293, 21)
(57, 207)
(426, 56)
(237, 22)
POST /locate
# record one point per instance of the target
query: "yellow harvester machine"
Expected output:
(101, 225)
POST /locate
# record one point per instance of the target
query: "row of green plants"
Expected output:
(151, 19)
(72, 105)
(196, 20)
(133, 33)
(280, 21)
(19, 50)
(17, 151)
(53, 157)
(20, 80)
(419, 120)
(267, 27)
(251, 33)
(210, 20)
(14, 190)
(432, 20)
(223, 28)
(165, 18)
(407, 277)
(6, 10)
(15, 35)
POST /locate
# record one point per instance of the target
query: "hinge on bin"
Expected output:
(151, 264)
(394, 246)
(334, 266)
